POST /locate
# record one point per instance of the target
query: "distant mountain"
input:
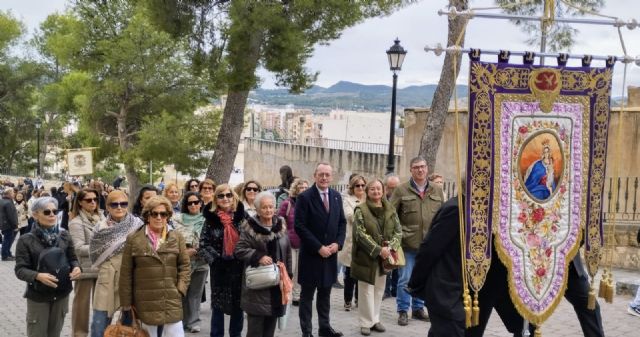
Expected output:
(351, 96)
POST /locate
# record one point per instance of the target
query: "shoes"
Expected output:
(295, 303)
(338, 285)
(8, 258)
(347, 306)
(365, 331)
(635, 311)
(329, 333)
(195, 329)
(385, 296)
(420, 315)
(307, 335)
(403, 318)
(378, 327)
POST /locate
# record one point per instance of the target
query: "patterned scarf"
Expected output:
(108, 240)
(49, 235)
(231, 236)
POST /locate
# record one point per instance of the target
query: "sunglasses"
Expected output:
(252, 189)
(123, 204)
(90, 200)
(193, 203)
(155, 214)
(194, 186)
(207, 188)
(225, 195)
(358, 185)
(49, 212)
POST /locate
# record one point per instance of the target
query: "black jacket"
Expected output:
(8, 215)
(27, 252)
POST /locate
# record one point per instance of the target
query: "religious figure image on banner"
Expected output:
(541, 165)
(80, 162)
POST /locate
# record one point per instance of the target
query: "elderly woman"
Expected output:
(190, 222)
(85, 216)
(206, 189)
(376, 232)
(172, 193)
(250, 190)
(47, 294)
(355, 196)
(287, 211)
(105, 250)
(156, 268)
(218, 240)
(264, 241)
(146, 192)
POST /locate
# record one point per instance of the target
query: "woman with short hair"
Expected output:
(206, 189)
(156, 268)
(47, 295)
(264, 241)
(85, 217)
(172, 192)
(20, 202)
(191, 185)
(250, 190)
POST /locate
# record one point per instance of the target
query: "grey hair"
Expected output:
(41, 203)
(417, 160)
(265, 194)
(389, 177)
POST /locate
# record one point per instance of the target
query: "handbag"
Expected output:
(121, 330)
(394, 261)
(262, 277)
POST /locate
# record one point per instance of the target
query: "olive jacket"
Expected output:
(155, 281)
(415, 211)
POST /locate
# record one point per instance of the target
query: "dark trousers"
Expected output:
(261, 326)
(578, 294)
(323, 300)
(350, 285)
(445, 327)
(392, 283)
(7, 241)
(235, 323)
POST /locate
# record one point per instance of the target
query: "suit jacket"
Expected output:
(316, 228)
(8, 215)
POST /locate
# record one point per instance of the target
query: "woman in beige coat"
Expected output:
(355, 195)
(85, 217)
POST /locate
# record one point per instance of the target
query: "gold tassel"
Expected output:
(602, 290)
(467, 308)
(609, 294)
(591, 301)
(537, 333)
(476, 311)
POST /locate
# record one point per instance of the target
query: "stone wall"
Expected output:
(627, 250)
(263, 158)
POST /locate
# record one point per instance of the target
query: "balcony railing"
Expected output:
(339, 145)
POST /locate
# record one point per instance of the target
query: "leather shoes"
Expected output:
(329, 333)
(378, 327)
(420, 315)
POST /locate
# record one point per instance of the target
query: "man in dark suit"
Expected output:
(320, 224)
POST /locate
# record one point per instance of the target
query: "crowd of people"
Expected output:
(150, 260)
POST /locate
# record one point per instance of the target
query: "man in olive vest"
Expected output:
(416, 203)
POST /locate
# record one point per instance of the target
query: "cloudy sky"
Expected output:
(359, 54)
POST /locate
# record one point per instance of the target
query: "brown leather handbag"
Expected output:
(121, 330)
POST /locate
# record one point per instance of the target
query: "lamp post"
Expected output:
(38, 124)
(396, 56)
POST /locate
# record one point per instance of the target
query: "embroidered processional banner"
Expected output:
(536, 165)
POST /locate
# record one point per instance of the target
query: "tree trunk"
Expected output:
(133, 180)
(244, 54)
(440, 105)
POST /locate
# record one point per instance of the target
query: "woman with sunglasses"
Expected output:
(156, 268)
(172, 193)
(219, 237)
(47, 295)
(354, 197)
(206, 189)
(85, 216)
(192, 185)
(190, 222)
(146, 192)
(249, 192)
(105, 250)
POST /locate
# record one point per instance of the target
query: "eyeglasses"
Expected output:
(123, 204)
(193, 186)
(155, 214)
(90, 200)
(252, 189)
(419, 167)
(49, 212)
(193, 203)
(225, 195)
(207, 188)
(358, 185)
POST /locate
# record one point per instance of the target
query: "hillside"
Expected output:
(351, 96)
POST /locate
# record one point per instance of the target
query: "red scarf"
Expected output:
(231, 236)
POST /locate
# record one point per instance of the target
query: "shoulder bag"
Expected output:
(262, 277)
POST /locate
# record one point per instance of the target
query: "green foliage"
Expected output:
(10, 30)
(560, 36)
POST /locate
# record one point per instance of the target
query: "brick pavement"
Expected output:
(563, 323)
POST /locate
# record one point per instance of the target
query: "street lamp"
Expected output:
(396, 56)
(38, 124)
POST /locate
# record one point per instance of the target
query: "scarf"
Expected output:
(155, 239)
(108, 240)
(92, 219)
(194, 224)
(48, 236)
(231, 236)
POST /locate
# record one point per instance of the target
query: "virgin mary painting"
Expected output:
(540, 177)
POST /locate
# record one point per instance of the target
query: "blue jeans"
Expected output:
(7, 242)
(101, 321)
(636, 301)
(403, 299)
(235, 324)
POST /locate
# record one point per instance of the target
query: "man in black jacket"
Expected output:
(8, 223)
